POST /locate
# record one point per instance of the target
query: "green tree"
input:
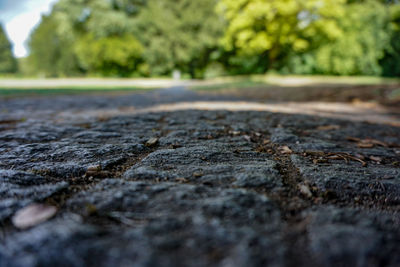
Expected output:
(8, 63)
(270, 30)
(105, 43)
(109, 56)
(358, 51)
(51, 51)
(86, 37)
(178, 34)
(391, 61)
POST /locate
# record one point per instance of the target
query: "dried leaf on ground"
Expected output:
(198, 174)
(376, 159)
(181, 180)
(367, 143)
(320, 160)
(328, 127)
(266, 141)
(96, 171)
(234, 133)
(285, 150)
(32, 215)
(94, 168)
(334, 155)
(359, 156)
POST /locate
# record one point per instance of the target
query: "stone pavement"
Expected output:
(195, 187)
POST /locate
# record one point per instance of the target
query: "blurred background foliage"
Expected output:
(210, 38)
(8, 63)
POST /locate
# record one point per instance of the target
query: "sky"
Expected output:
(19, 18)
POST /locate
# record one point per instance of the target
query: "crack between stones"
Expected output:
(291, 205)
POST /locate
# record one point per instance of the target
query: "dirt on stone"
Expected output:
(195, 187)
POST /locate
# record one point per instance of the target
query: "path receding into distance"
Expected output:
(178, 178)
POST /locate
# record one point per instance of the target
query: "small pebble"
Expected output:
(305, 190)
(32, 215)
(285, 150)
(197, 174)
(94, 168)
(152, 142)
(247, 138)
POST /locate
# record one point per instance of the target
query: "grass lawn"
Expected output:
(17, 92)
(44, 87)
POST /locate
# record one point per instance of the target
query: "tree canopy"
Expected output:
(364, 37)
(276, 27)
(8, 64)
(155, 37)
(178, 34)
(391, 61)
